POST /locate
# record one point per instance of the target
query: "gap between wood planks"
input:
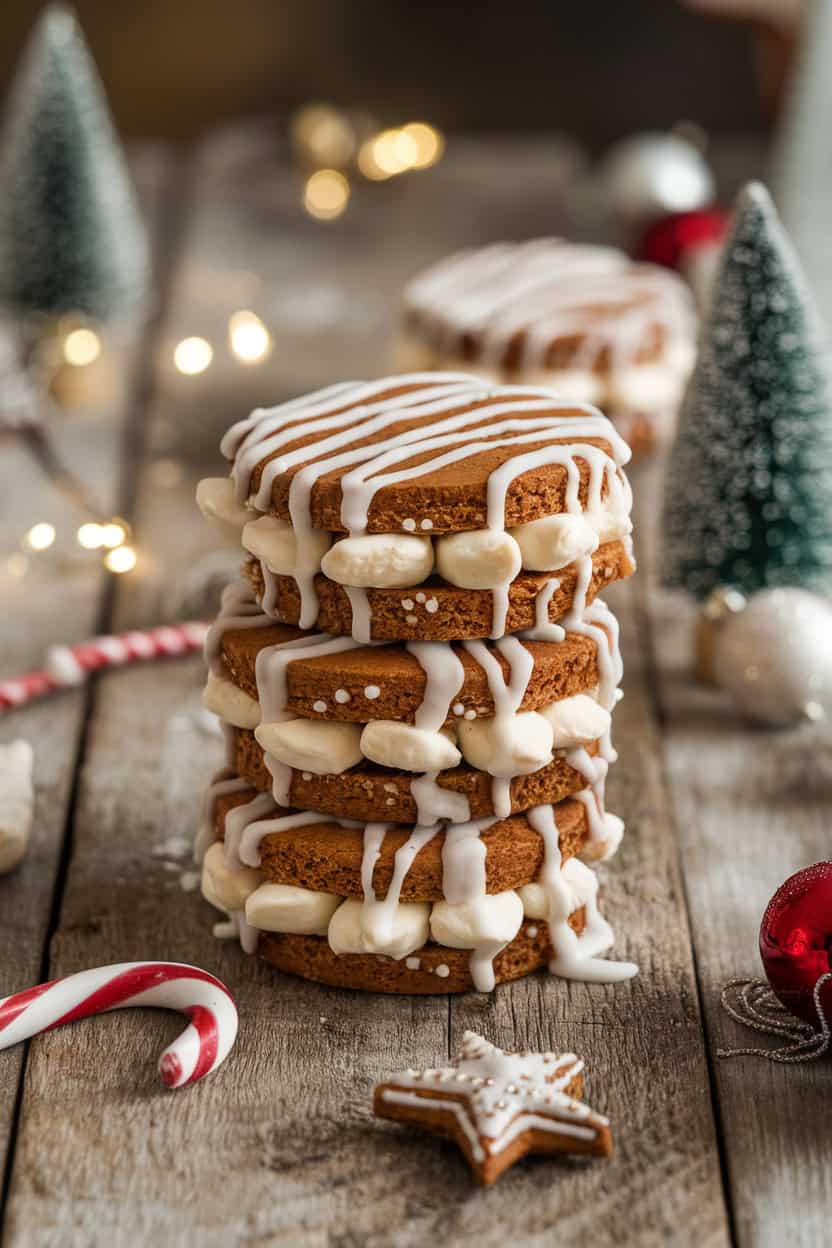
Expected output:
(646, 542)
(166, 226)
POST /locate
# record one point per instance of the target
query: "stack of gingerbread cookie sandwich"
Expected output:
(416, 677)
(584, 319)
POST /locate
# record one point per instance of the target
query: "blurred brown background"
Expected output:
(595, 68)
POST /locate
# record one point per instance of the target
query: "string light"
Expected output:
(322, 136)
(89, 536)
(120, 560)
(326, 194)
(81, 346)
(429, 143)
(193, 355)
(40, 536)
(93, 536)
(248, 337)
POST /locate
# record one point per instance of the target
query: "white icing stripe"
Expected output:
(378, 916)
(507, 697)
(574, 957)
(444, 677)
(221, 786)
(238, 609)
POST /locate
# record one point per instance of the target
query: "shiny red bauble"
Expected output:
(796, 941)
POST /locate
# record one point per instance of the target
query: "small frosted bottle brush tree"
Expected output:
(748, 500)
(71, 240)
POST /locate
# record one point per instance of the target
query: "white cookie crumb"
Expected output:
(407, 603)
(319, 706)
(412, 964)
(411, 619)
(531, 932)
(342, 696)
(420, 597)
(409, 524)
(371, 692)
(459, 708)
(471, 714)
(432, 605)
(443, 971)
(427, 524)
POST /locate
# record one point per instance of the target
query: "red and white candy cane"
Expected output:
(70, 665)
(203, 1045)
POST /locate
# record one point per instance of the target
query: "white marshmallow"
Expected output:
(533, 897)
(285, 908)
(215, 499)
(555, 541)
(507, 746)
(379, 561)
(17, 802)
(479, 559)
(604, 849)
(326, 748)
(359, 928)
(273, 540)
(224, 887)
(576, 721)
(392, 744)
(463, 925)
(232, 704)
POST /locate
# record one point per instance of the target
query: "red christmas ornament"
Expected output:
(671, 240)
(796, 941)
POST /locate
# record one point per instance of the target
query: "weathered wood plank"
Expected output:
(45, 608)
(751, 807)
(641, 1040)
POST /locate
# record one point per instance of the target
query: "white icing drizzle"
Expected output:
(444, 677)
(507, 695)
(544, 629)
(505, 1095)
(236, 823)
(377, 919)
(236, 927)
(221, 785)
(238, 609)
(547, 289)
(464, 879)
(574, 956)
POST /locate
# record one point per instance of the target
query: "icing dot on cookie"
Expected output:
(443, 971)
(471, 714)
(411, 619)
(371, 692)
(407, 603)
(412, 964)
(307, 775)
(432, 605)
(319, 706)
(342, 696)
(459, 709)
(531, 932)
(420, 597)
(409, 524)
(427, 524)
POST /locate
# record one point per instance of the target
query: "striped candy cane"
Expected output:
(71, 665)
(202, 1046)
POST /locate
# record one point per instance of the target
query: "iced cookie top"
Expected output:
(423, 453)
(548, 304)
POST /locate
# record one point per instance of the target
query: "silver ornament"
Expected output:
(774, 656)
(652, 175)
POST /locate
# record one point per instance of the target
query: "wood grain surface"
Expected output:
(279, 1148)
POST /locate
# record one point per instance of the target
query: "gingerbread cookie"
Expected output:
(499, 1106)
(585, 320)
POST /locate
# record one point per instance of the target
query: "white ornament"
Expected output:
(649, 175)
(774, 656)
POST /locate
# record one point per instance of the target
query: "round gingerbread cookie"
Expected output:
(432, 969)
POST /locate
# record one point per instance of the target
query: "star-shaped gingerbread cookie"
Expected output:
(499, 1106)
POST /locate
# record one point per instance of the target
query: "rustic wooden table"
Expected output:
(280, 1148)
